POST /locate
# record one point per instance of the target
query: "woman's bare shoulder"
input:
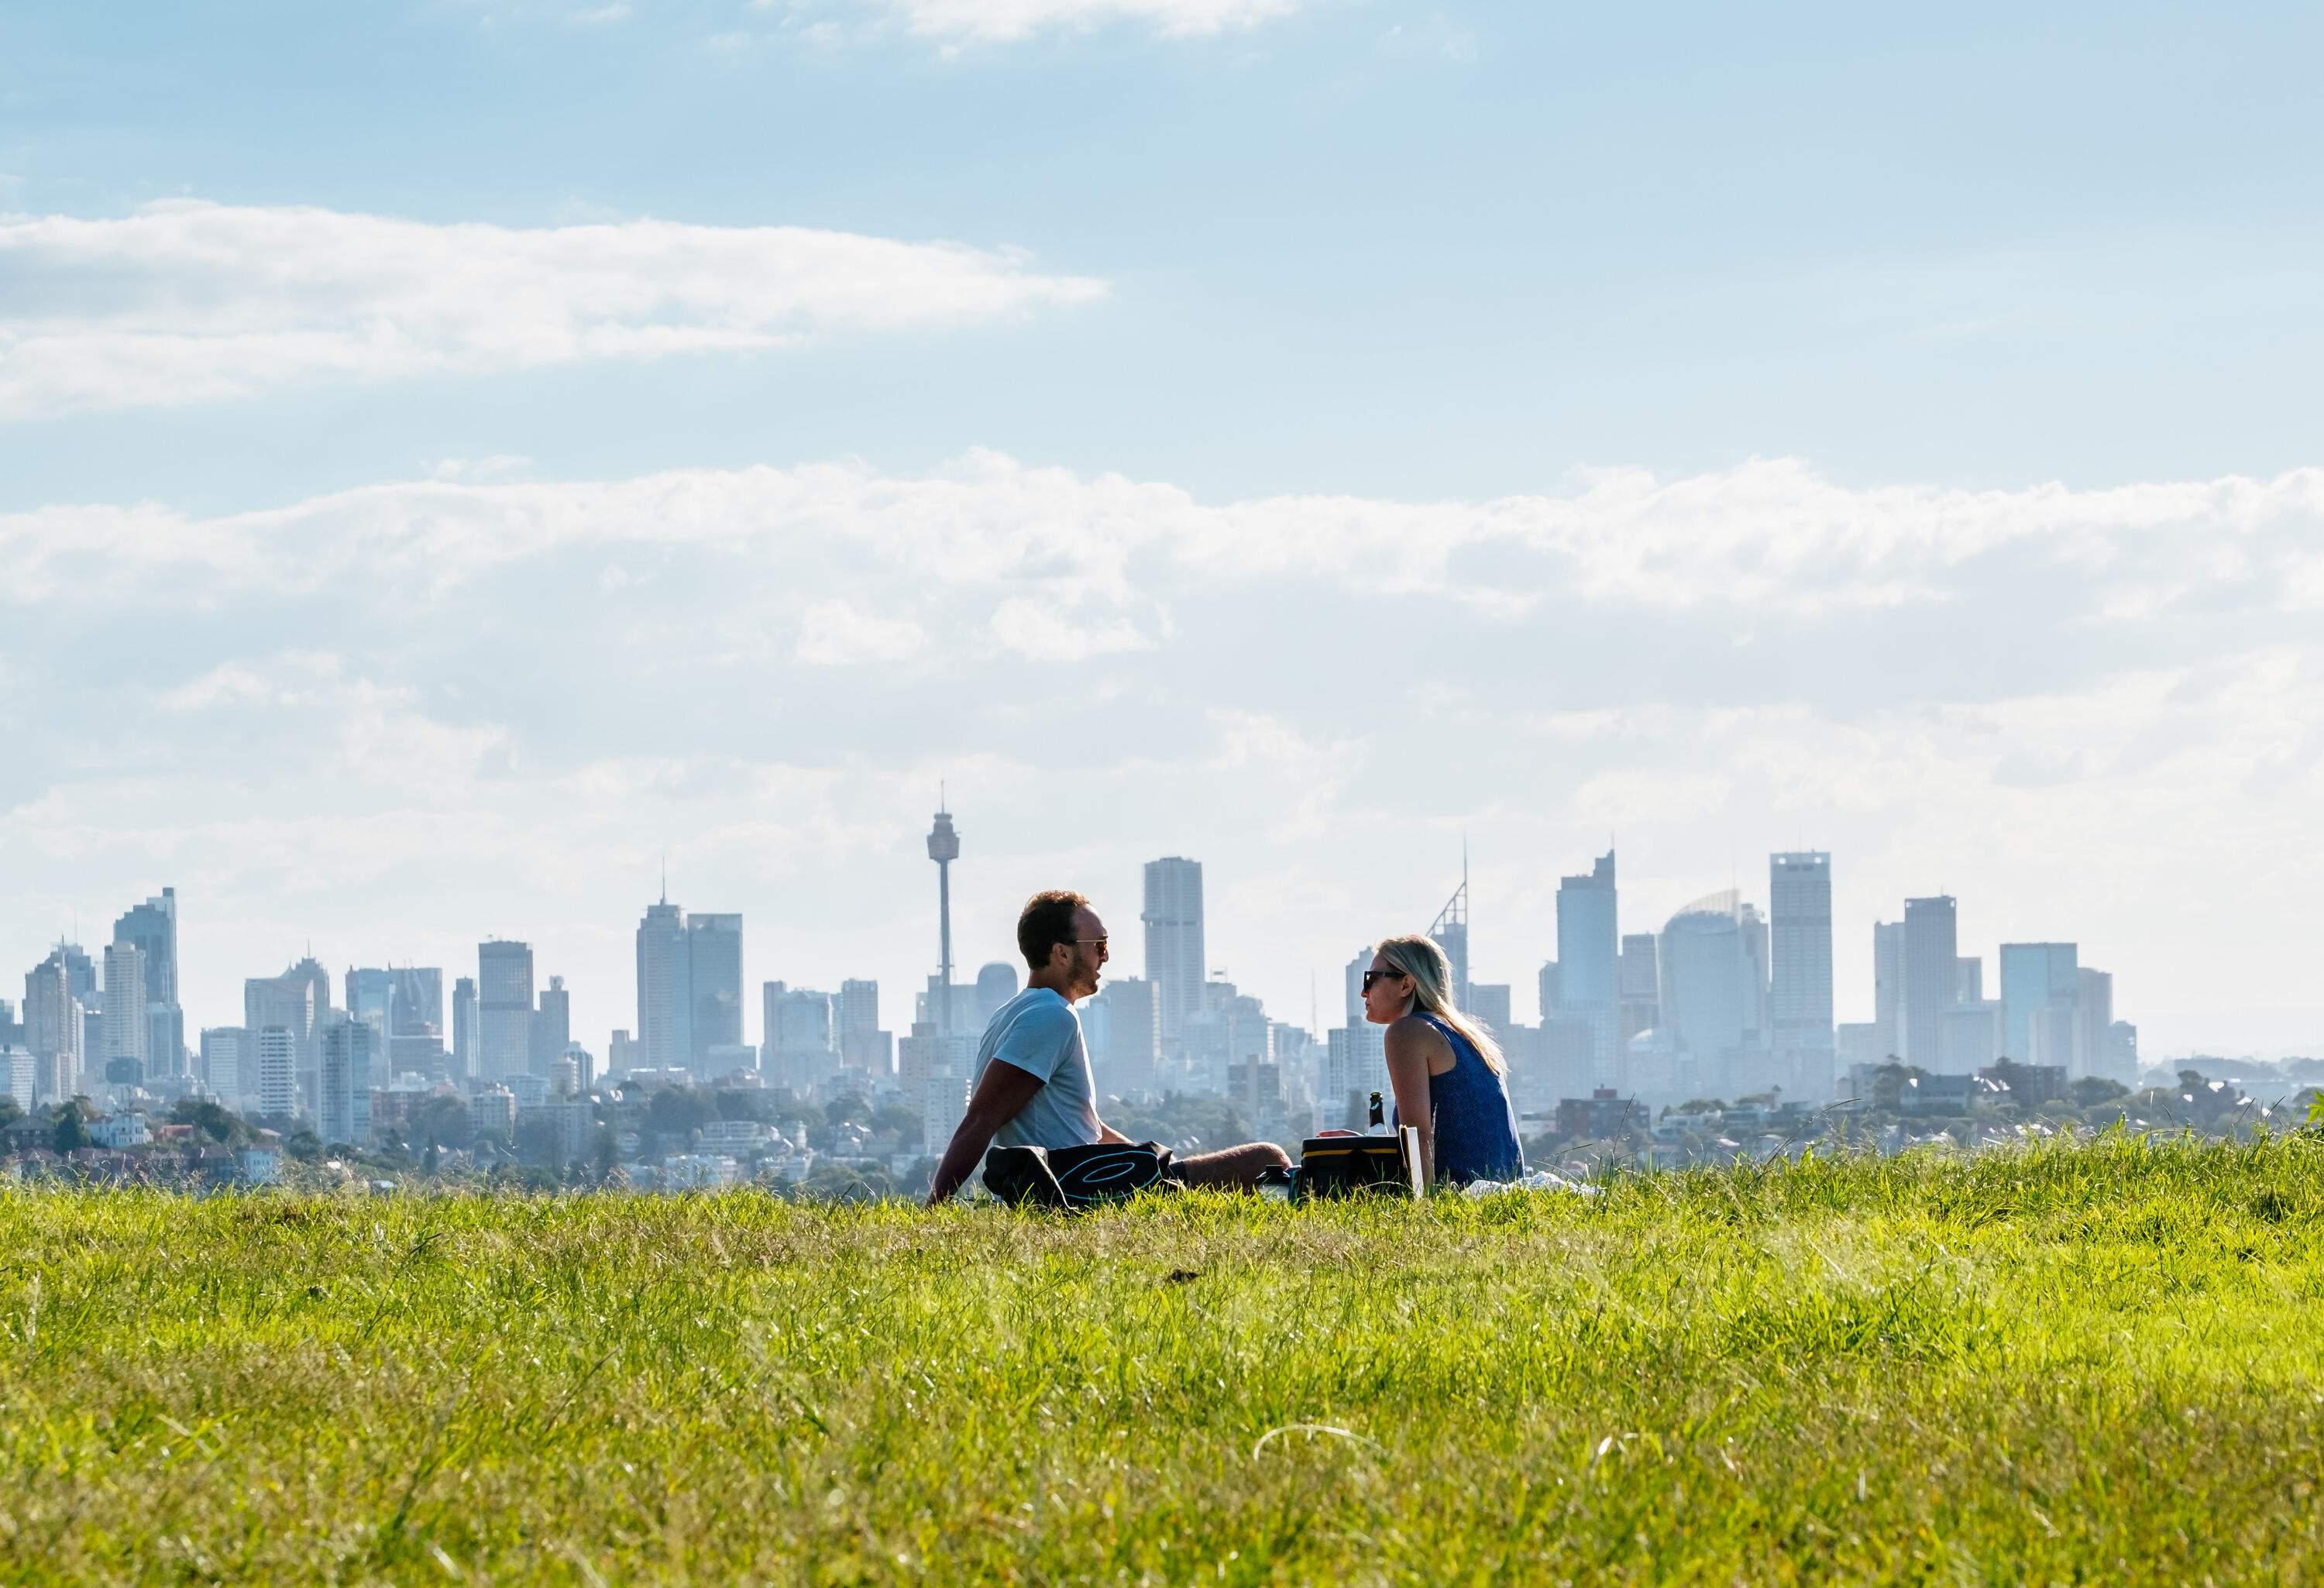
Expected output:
(1412, 1030)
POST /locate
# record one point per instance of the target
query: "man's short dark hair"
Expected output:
(1045, 922)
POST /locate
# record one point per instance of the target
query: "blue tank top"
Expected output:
(1476, 1126)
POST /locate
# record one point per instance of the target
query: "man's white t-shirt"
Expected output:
(1039, 1033)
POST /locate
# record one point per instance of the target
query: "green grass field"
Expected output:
(2102, 1364)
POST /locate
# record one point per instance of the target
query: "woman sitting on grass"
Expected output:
(1446, 1068)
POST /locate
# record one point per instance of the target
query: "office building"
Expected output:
(1931, 947)
(504, 1010)
(299, 1001)
(996, 985)
(1751, 927)
(348, 1044)
(1549, 984)
(463, 1029)
(552, 1028)
(2034, 976)
(229, 1077)
(1122, 1026)
(1888, 988)
(151, 929)
(1799, 908)
(802, 1030)
(1639, 981)
(665, 989)
(55, 1024)
(278, 1078)
(126, 1033)
(416, 1000)
(1969, 1038)
(865, 1049)
(1174, 962)
(369, 991)
(1450, 930)
(713, 968)
(1589, 953)
(2093, 1019)
(1708, 985)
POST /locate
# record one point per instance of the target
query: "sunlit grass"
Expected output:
(2098, 1363)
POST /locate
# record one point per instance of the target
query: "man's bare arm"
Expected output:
(1001, 1093)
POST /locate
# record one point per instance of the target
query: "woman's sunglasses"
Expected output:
(1371, 976)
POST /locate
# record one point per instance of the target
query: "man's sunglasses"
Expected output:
(1090, 942)
(1371, 976)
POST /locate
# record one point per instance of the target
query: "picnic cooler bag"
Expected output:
(1075, 1178)
(1352, 1166)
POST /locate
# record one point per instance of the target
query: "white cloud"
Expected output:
(835, 632)
(433, 706)
(184, 301)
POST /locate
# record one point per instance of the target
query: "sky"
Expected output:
(459, 458)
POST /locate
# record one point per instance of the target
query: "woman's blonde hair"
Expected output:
(1420, 958)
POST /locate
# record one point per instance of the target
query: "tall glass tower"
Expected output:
(1174, 962)
(1799, 902)
(1589, 953)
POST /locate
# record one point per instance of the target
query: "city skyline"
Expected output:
(1793, 955)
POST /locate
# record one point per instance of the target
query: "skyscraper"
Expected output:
(665, 989)
(2093, 1018)
(553, 1027)
(996, 985)
(863, 1046)
(152, 928)
(1175, 957)
(1931, 945)
(503, 1009)
(713, 968)
(54, 1026)
(1709, 992)
(1888, 988)
(348, 1044)
(371, 992)
(2034, 976)
(1799, 902)
(417, 1002)
(1449, 931)
(287, 1001)
(1752, 927)
(277, 1086)
(943, 848)
(801, 1029)
(1639, 982)
(126, 1028)
(463, 1029)
(1124, 1059)
(229, 1064)
(1589, 953)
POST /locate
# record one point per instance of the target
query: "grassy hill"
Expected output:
(2103, 1362)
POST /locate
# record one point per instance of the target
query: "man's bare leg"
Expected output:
(1234, 1168)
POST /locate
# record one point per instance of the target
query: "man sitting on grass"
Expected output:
(1033, 1081)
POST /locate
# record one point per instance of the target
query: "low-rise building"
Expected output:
(117, 1130)
(1603, 1116)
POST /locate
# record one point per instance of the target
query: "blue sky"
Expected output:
(1891, 431)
